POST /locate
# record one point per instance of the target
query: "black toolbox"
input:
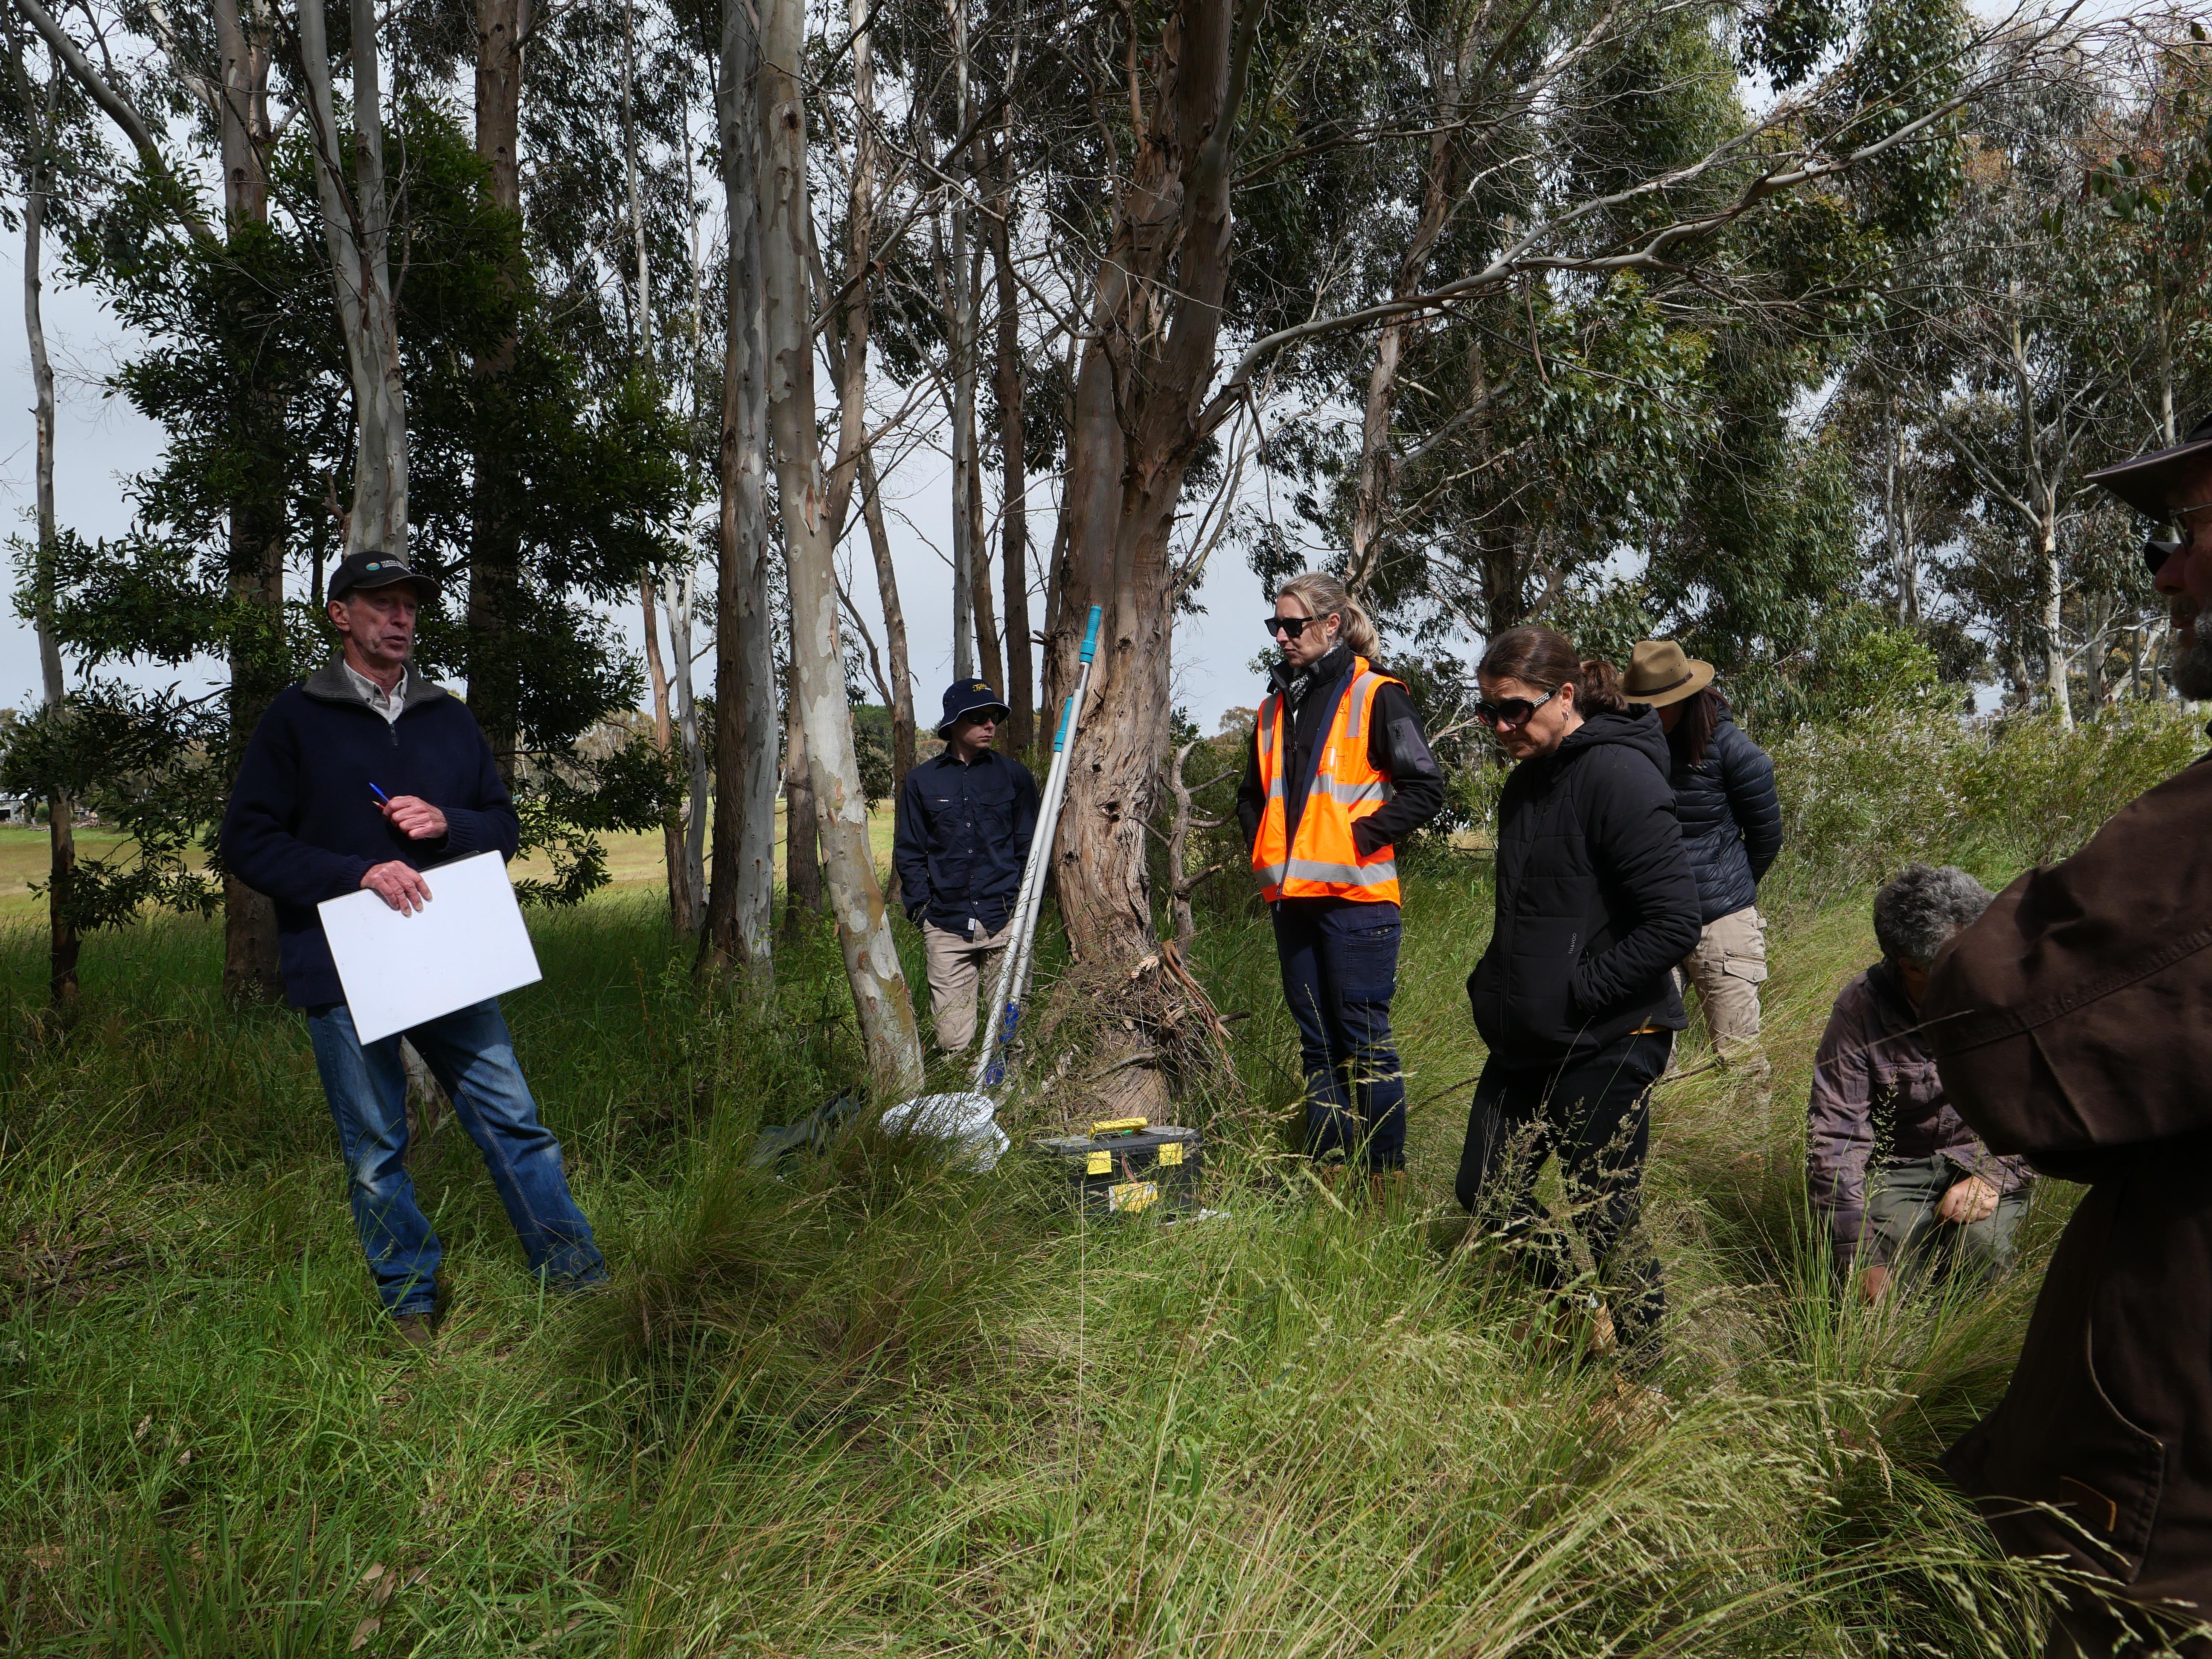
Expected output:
(1125, 1166)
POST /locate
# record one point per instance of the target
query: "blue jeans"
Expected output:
(1340, 960)
(472, 1057)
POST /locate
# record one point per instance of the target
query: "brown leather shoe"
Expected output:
(411, 1333)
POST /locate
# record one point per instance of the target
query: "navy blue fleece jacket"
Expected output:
(304, 826)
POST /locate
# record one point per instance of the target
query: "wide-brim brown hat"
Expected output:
(1661, 672)
(2165, 480)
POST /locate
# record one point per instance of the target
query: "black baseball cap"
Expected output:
(372, 568)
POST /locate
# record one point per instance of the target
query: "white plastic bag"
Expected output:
(970, 1121)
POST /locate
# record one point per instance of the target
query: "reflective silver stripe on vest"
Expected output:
(1358, 695)
(1350, 794)
(1344, 875)
(1271, 875)
(1270, 763)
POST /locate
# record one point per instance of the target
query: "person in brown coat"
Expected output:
(2073, 1024)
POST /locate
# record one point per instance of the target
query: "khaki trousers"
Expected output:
(957, 964)
(1728, 967)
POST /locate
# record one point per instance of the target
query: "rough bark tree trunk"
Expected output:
(682, 908)
(989, 667)
(902, 681)
(1377, 477)
(494, 547)
(680, 603)
(741, 900)
(884, 1014)
(957, 296)
(1020, 689)
(357, 230)
(802, 845)
(258, 666)
(1154, 325)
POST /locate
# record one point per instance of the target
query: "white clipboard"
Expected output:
(401, 968)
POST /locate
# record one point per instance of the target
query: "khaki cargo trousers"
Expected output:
(1728, 967)
(960, 967)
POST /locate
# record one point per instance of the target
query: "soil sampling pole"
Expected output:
(1014, 969)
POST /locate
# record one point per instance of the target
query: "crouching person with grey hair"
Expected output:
(1904, 1185)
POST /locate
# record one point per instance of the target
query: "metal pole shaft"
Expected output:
(1014, 967)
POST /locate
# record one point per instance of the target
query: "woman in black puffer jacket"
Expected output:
(1732, 828)
(1575, 995)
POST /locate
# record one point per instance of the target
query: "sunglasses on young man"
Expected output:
(1510, 711)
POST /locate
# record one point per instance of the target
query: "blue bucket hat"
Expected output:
(965, 697)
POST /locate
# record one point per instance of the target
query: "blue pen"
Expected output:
(380, 794)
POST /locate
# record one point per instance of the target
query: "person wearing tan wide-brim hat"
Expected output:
(1732, 830)
(1662, 674)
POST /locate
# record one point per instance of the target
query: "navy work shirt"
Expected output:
(963, 835)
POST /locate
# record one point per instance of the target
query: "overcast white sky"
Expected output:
(100, 442)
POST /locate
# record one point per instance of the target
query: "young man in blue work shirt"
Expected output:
(366, 775)
(965, 819)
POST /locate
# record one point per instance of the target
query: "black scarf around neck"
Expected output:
(1325, 670)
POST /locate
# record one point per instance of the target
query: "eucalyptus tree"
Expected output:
(741, 900)
(2148, 223)
(57, 159)
(2024, 389)
(1601, 196)
(871, 963)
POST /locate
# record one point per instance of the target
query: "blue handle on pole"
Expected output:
(1066, 713)
(1090, 633)
(995, 1073)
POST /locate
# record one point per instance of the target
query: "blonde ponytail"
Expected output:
(1322, 595)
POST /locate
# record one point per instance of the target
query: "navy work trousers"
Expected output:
(1339, 961)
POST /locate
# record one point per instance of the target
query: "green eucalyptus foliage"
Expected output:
(247, 374)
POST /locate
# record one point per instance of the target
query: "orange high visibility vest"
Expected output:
(1324, 863)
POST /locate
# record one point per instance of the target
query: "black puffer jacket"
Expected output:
(1596, 900)
(1731, 819)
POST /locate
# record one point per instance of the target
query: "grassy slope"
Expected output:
(887, 1408)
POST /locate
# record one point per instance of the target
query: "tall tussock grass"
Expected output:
(875, 1402)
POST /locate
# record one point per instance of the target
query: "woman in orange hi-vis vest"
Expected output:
(1339, 771)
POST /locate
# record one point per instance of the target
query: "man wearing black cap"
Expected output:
(2073, 1024)
(366, 775)
(965, 819)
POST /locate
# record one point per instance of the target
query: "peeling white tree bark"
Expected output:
(871, 963)
(356, 233)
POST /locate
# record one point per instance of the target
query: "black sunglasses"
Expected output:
(1511, 711)
(1289, 627)
(2157, 550)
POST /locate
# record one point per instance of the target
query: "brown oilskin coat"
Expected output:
(2073, 1022)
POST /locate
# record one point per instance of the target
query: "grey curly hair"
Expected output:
(1923, 907)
